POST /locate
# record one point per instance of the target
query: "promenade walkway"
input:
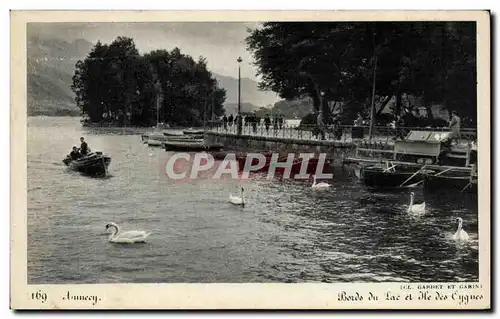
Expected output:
(380, 134)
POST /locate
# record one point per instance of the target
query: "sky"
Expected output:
(220, 42)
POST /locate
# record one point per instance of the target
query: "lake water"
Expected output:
(286, 233)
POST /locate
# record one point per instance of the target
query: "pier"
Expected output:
(301, 139)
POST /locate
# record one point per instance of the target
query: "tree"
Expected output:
(116, 84)
(426, 60)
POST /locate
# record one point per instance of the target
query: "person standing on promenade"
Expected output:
(321, 125)
(455, 126)
(267, 122)
(254, 122)
(230, 120)
(357, 130)
(224, 122)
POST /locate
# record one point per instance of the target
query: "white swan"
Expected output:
(415, 208)
(128, 237)
(237, 200)
(320, 184)
(460, 234)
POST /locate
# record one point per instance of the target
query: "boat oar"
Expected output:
(105, 168)
(409, 178)
(466, 186)
(388, 169)
(413, 185)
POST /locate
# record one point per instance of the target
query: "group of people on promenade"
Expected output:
(77, 153)
(398, 125)
(253, 121)
(334, 127)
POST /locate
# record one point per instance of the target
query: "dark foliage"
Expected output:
(116, 84)
(335, 61)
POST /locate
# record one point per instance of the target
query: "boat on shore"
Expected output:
(93, 164)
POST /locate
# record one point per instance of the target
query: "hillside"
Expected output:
(51, 64)
(249, 91)
(50, 68)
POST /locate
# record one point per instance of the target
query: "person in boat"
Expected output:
(74, 154)
(84, 148)
(455, 126)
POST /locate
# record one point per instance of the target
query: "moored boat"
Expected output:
(463, 181)
(191, 146)
(94, 164)
(420, 154)
(193, 132)
(389, 176)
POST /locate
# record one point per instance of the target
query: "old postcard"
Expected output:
(250, 160)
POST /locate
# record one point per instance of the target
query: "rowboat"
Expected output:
(191, 146)
(93, 164)
(462, 181)
(425, 158)
(193, 132)
(388, 177)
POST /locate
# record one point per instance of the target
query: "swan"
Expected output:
(237, 200)
(128, 237)
(320, 184)
(415, 208)
(460, 233)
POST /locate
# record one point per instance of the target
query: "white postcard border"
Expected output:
(240, 296)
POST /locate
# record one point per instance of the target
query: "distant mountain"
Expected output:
(249, 92)
(232, 108)
(51, 64)
(50, 68)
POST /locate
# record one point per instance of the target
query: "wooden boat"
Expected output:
(182, 138)
(157, 139)
(420, 153)
(172, 134)
(94, 164)
(457, 183)
(462, 181)
(191, 146)
(193, 132)
(389, 176)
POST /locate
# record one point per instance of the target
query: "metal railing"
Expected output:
(341, 133)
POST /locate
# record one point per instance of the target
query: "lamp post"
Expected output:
(240, 120)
